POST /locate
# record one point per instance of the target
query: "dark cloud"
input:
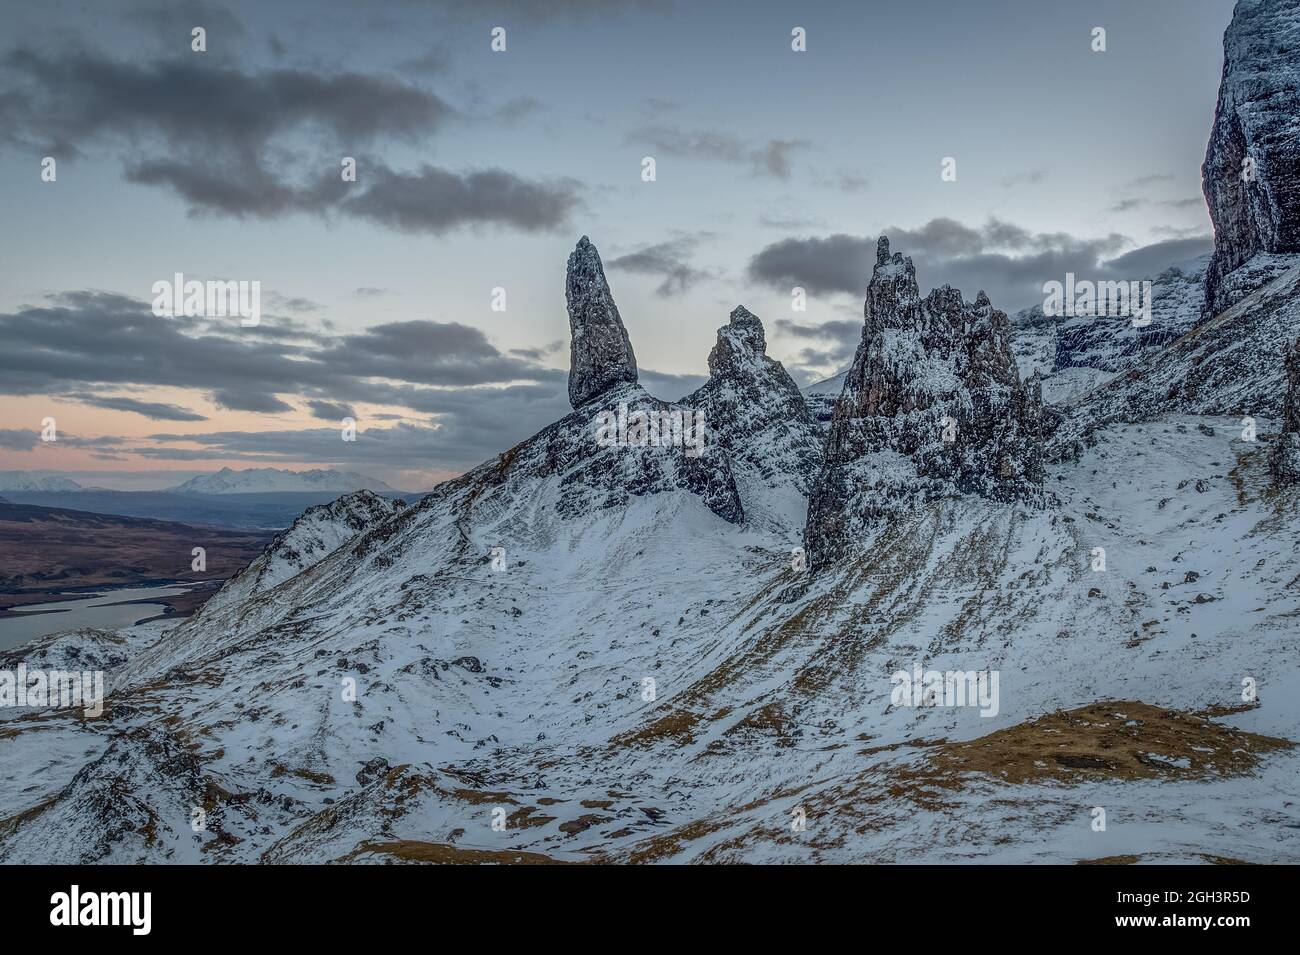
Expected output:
(158, 411)
(769, 158)
(482, 399)
(16, 439)
(255, 401)
(330, 411)
(833, 345)
(435, 200)
(74, 97)
(836, 263)
(668, 261)
(1007, 261)
(216, 136)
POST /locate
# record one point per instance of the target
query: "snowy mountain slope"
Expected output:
(1113, 344)
(821, 396)
(1077, 354)
(264, 480)
(1230, 364)
(523, 689)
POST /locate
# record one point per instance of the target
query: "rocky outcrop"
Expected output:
(316, 534)
(932, 407)
(1285, 458)
(758, 418)
(600, 353)
(1251, 174)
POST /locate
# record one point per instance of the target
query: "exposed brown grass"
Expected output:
(1109, 740)
(442, 853)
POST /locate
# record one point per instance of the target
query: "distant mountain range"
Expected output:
(253, 498)
(267, 480)
(22, 481)
(225, 481)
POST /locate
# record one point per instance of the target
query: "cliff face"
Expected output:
(932, 407)
(1251, 175)
(1285, 459)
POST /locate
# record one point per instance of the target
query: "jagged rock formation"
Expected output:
(760, 421)
(600, 353)
(1256, 119)
(932, 407)
(1285, 458)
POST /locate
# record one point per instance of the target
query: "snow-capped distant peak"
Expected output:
(23, 482)
(264, 480)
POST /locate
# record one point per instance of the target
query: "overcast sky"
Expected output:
(479, 169)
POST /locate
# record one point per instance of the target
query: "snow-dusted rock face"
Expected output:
(1113, 344)
(1257, 119)
(589, 477)
(600, 353)
(758, 418)
(1285, 459)
(932, 407)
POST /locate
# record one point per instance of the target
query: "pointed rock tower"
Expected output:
(932, 407)
(1285, 459)
(600, 353)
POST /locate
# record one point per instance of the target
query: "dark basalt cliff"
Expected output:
(1257, 119)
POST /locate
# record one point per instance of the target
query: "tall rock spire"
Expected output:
(600, 354)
